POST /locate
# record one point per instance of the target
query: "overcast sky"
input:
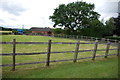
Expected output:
(35, 13)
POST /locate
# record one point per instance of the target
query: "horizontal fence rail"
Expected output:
(17, 64)
(43, 43)
(49, 52)
(86, 38)
(9, 54)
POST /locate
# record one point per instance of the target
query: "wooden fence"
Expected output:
(47, 62)
(86, 38)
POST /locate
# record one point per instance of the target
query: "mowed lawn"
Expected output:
(100, 68)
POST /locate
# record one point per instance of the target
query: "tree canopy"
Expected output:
(79, 18)
(109, 26)
(75, 15)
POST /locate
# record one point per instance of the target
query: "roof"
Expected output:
(19, 30)
(40, 29)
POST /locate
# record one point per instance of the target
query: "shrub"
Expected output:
(115, 38)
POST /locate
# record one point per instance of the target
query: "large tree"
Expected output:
(74, 16)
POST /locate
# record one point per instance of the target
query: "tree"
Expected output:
(74, 16)
(98, 29)
(109, 27)
(117, 24)
(95, 30)
(58, 31)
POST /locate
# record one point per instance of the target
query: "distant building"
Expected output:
(42, 31)
(19, 31)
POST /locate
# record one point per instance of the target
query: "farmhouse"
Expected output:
(42, 31)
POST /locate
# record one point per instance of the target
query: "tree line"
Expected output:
(15, 31)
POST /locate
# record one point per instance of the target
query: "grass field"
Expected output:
(5, 31)
(95, 69)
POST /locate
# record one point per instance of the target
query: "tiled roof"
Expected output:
(40, 29)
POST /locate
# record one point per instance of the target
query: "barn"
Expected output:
(42, 31)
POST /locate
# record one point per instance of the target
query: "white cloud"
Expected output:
(11, 7)
(36, 12)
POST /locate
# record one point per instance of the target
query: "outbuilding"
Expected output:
(42, 31)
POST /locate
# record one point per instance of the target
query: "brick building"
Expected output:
(42, 31)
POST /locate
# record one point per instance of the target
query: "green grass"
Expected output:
(58, 69)
(104, 68)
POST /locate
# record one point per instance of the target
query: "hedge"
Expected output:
(114, 38)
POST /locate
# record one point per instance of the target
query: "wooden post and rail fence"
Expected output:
(85, 38)
(47, 62)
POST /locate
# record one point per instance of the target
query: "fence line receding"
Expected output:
(49, 52)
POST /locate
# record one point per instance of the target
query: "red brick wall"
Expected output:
(46, 33)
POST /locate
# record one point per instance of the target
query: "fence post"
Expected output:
(96, 38)
(60, 36)
(118, 52)
(76, 51)
(115, 41)
(66, 36)
(48, 53)
(69, 36)
(90, 38)
(86, 37)
(107, 48)
(95, 49)
(77, 37)
(14, 51)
